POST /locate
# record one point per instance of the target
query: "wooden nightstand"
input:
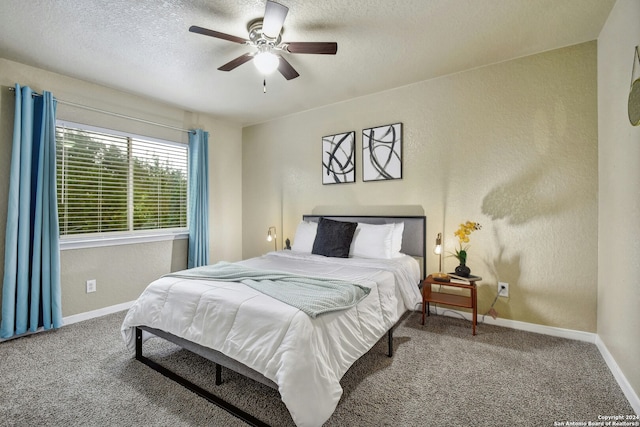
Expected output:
(439, 297)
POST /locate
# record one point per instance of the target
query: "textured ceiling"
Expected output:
(144, 46)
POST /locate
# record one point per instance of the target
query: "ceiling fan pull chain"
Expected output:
(264, 86)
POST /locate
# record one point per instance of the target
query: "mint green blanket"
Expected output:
(312, 295)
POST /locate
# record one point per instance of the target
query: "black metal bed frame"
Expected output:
(221, 360)
(232, 409)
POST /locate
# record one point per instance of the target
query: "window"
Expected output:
(110, 182)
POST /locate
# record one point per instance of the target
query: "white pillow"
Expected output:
(396, 242)
(372, 241)
(305, 236)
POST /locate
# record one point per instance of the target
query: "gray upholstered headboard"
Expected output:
(413, 238)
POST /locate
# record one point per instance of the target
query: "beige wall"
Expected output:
(512, 145)
(122, 272)
(619, 195)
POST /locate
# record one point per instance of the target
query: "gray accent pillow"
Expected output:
(333, 238)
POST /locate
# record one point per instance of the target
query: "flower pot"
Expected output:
(463, 271)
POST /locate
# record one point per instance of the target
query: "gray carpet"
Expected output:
(440, 375)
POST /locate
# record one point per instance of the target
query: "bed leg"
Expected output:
(233, 410)
(390, 333)
(218, 374)
(138, 343)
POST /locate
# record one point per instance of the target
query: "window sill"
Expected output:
(126, 239)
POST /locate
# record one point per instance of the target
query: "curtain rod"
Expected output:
(97, 110)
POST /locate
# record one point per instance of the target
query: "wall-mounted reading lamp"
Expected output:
(272, 236)
(437, 249)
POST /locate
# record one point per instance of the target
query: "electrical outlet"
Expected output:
(91, 285)
(503, 289)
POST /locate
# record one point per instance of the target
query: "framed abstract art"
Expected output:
(339, 158)
(382, 153)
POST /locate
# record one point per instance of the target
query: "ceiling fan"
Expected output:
(265, 35)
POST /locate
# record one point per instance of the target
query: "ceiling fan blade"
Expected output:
(274, 16)
(322, 48)
(237, 62)
(216, 34)
(287, 70)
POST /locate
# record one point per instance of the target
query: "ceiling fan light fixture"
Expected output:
(265, 35)
(266, 62)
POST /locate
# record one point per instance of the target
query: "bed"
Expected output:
(300, 345)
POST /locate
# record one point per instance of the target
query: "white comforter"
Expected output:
(305, 357)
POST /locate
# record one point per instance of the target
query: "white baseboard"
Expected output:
(75, 318)
(571, 334)
(628, 391)
(523, 326)
(593, 338)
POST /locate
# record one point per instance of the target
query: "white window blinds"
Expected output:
(112, 182)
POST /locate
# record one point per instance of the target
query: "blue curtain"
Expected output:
(198, 213)
(31, 286)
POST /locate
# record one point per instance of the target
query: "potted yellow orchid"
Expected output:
(462, 233)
